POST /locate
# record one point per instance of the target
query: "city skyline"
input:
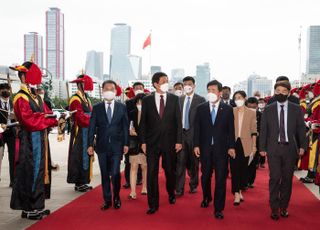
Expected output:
(248, 41)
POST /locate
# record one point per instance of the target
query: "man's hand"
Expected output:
(133, 132)
(263, 153)
(178, 147)
(90, 151)
(125, 149)
(232, 153)
(196, 151)
(144, 148)
(301, 152)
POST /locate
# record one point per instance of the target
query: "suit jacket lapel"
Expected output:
(115, 111)
(219, 111)
(276, 118)
(167, 103)
(289, 119)
(154, 105)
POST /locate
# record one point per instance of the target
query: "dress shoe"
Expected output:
(106, 205)
(152, 211)
(132, 197)
(205, 203)
(31, 215)
(284, 213)
(218, 215)
(193, 190)
(82, 188)
(179, 194)
(275, 215)
(250, 186)
(117, 203)
(144, 193)
(44, 212)
(126, 185)
(172, 199)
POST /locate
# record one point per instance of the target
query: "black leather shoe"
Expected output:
(44, 212)
(274, 216)
(106, 205)
(126, 185)
(193, 190)
(172, 199)
(205, 203)
(33, 215)
(117, 203)
(284, 213)
(179, 194)
(152, 211)
(236, 203)
(219, 215)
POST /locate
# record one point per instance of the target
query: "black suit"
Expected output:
(281, 157)
(131, 107)
(9, 137)
(110, 139)
(216, 155)
(160, 135)
(186, 158)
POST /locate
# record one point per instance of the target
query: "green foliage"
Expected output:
(59, 102)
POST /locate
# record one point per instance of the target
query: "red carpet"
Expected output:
(84, 212)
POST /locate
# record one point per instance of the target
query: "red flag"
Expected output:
(147, 42)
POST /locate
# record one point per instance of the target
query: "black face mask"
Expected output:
(281, 97)
(5, 94)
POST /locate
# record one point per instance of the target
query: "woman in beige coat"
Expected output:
(245, 135)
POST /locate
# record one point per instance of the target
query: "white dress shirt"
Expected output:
(157, 97)
(111, 105)
(184, 108)
(285, 108)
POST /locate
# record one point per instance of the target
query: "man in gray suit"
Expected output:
(283, 140)
(186, 159)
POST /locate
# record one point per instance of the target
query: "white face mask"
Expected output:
(239, 103)
(138, 92)
(178, 92)
(139, 107)
(164, 87)
(187, 89)
(261, 105)
(212, 97)
(109, 95)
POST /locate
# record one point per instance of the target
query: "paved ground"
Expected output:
(62, 192)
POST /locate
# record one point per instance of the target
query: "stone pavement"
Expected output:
(61, 192)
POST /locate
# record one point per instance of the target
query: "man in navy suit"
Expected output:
(214, 140)
(109, 123)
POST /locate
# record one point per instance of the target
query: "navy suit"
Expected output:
(214, 155)
(110, 139)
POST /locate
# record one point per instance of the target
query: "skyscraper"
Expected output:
(154, 69)
(55, 43)
(258, 83)
(202, 77)
(136, 66)
(120, 66)
(94, 64)
(313, 50)
(33, 47)
(177, 75)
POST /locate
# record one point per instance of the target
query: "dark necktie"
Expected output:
(109, 112)
(282, 130)
(161, 110)
(5, 106)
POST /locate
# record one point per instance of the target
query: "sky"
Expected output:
(237, 37)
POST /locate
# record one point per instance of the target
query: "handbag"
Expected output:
(134, 145)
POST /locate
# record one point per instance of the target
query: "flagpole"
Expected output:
(150, 55)
(300, 74)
